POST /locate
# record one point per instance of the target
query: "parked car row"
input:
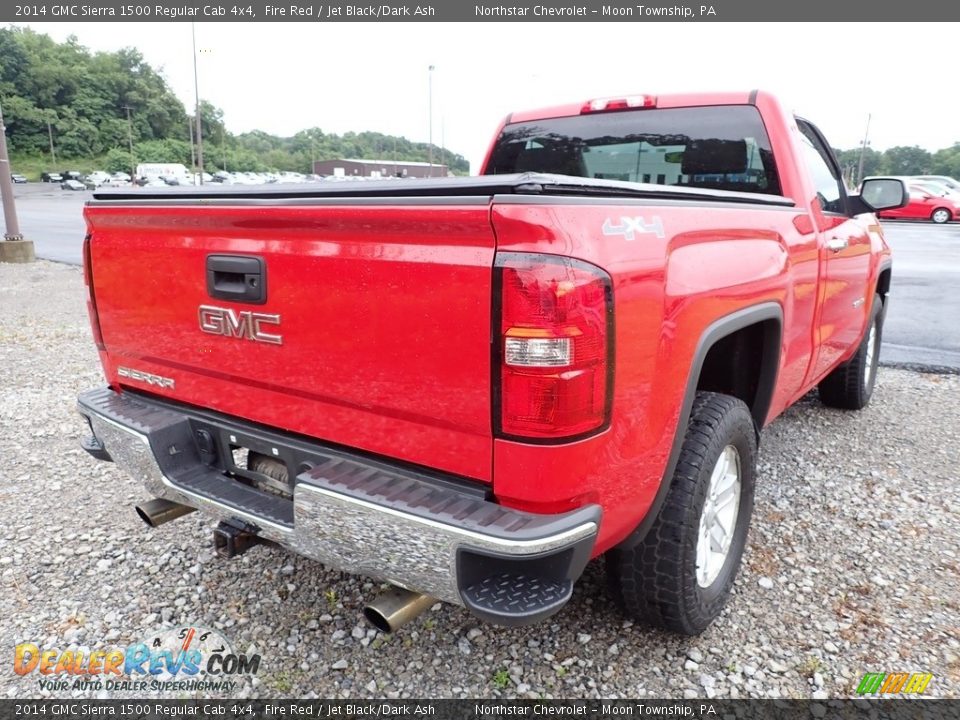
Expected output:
(49, 177)
(74, 180)
(932, 197)
(262, 178)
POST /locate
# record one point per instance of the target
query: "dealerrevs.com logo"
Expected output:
(186, 658)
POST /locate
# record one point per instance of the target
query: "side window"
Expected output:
(826, 183)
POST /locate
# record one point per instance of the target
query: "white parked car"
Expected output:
(945, 180)
(97, 178)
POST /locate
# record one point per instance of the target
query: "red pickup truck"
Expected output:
(469, 387)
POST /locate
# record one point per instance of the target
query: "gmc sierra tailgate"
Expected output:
(362, 321)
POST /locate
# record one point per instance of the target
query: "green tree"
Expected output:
(946, 161)
(86, 97)
(903, 160)
(162, 151)
(96, 103)
(849, 161)
(118, 161)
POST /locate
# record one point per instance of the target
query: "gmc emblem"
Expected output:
(244, 324)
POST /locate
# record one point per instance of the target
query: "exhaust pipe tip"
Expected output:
(377, 619)
(144, 515)
(395, 608)
(158, 511)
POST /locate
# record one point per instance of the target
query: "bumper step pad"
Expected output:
(508, 597)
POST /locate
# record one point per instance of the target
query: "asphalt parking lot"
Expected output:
(922, 328)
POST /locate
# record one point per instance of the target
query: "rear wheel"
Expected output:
(940, 216)
(679, 576)
(850, 386)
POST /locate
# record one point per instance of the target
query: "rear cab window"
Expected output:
(722, 147)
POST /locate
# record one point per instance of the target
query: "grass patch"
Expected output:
(501, 679)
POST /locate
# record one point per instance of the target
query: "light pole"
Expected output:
(430, 113)
(196, 89)
(13, 248)
(863, 150)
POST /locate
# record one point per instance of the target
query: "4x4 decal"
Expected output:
(630, 226)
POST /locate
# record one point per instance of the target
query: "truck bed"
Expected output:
(388, 189)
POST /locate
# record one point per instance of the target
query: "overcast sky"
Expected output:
(283, 77)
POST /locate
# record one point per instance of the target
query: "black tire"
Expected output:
(941, 216)
(656, 581)
(850, 386)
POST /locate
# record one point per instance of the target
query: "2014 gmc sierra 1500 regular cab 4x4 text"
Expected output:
(469, 387)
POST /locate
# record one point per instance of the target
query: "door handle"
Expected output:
(240, 278)
(837, 244)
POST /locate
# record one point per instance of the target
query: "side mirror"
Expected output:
(882, 194)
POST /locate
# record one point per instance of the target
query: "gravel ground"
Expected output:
(853, 563)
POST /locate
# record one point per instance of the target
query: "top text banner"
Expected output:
(473, 11)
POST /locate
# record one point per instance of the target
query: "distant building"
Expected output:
(379, 168)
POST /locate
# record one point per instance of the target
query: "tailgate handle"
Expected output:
(241, 278)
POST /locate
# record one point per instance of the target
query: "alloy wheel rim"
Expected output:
(718, 519)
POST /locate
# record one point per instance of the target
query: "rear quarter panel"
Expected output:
(708, 262)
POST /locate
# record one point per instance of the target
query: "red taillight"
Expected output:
(554, 347)
(91, 301)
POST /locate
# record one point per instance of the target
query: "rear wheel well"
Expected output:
(883, 284)
(744, 364)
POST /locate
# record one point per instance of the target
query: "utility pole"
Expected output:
(193, 150)
(196, 88)
(133, 162)
(14, 248)
(53, 155)
(430, 112)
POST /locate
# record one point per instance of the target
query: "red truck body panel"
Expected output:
(375, 353)
(662, 310)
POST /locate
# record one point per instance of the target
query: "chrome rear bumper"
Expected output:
(354, 513)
